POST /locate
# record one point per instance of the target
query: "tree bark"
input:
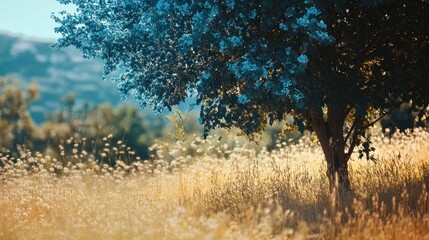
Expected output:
(331, 138)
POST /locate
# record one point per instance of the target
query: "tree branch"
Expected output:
(377, 119)
(353, 142)
(357, 132)
(351, 130)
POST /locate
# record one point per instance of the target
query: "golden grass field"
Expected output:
(216, 193)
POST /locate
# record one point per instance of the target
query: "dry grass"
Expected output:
(215, 193)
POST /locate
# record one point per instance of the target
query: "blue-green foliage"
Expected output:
(241, 59)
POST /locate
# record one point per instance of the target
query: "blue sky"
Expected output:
(30, 17)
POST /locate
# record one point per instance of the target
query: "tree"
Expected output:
(336, 66)
(125, 123)
(16, 126)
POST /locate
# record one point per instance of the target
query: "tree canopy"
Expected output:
(328, 63)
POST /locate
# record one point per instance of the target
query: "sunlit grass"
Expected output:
(207, 190)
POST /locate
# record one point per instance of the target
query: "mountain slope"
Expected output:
(57, 72)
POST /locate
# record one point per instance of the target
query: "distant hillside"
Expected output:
(57, 72)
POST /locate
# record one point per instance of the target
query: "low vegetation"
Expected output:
(215, 190)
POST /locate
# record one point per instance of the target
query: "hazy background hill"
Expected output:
(57, 72)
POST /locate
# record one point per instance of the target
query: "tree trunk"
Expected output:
(338, 171)
(331, 138)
